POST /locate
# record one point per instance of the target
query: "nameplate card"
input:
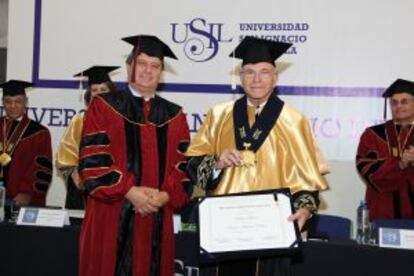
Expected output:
(177, 223)
(396, 238)
(42, 217)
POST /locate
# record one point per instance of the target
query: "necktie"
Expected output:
(257, 112)
(147, 107)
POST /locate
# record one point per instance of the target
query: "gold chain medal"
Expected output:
(4, 156)
(5, 159)
(249, 158)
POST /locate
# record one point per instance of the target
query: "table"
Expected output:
(351, 259)
(46, 251)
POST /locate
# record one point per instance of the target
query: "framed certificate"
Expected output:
(246, 225)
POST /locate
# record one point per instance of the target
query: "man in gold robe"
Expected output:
(258, 143)
(67, 156)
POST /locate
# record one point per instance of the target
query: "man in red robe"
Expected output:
(385, 157)
(25, 149)
(132, 164)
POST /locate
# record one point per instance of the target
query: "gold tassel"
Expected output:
(80, 87)
(233, 75)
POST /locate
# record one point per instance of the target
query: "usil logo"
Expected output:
(200, 39)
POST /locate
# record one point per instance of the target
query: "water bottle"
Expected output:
(363, 224)
(2, 200)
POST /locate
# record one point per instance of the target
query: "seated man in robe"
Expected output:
(25, 149)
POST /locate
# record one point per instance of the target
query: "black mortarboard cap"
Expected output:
(15, 87)
(254, 50)
(399, 86)
(97, 74)
(150, 45)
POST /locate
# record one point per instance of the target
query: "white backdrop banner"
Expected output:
(344, 54)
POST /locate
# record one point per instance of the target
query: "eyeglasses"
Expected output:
(401, 102)
(263, 74)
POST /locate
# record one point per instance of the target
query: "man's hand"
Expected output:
(140, 197)
(229, 158)
(301, 216)
(410, 151)
(77, 180)
(407, 158)
(159, 199)
(23, 199)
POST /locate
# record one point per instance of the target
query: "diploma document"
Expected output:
(252, 222)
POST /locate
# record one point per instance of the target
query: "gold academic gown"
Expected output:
(68, 150)
(288, 158)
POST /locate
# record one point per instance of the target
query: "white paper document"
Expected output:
(42, 217)
(246, 222)
(177, 223)
(396, 238)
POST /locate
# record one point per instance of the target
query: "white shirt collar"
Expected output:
(258, 108)
(138, 94)
(17, 119)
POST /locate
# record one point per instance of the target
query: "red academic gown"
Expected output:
(120, 148)
(390, 190)
(30, 168)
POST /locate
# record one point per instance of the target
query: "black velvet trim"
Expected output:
(96, 161)
(126, 104)
(183, 146)
(96, 139)
(192, 167)
(371, 155)
(105, 180)
(41, 186)
(182, 166)
(379, 130)
(156, 243)
(373, 164)
(263, 125)
(361, 165)
(125, 240)
(130, 107)
(162, 110)
(44, 176)
(32, 128)
(374, 167)
(75, 198)
(396, 204)
(162, 144)
(44, 162)
(133, 149)
(137, 114)
(188, 187)
(398, 128)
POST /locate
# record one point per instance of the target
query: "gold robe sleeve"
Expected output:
(68, 150)
(288, 158)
